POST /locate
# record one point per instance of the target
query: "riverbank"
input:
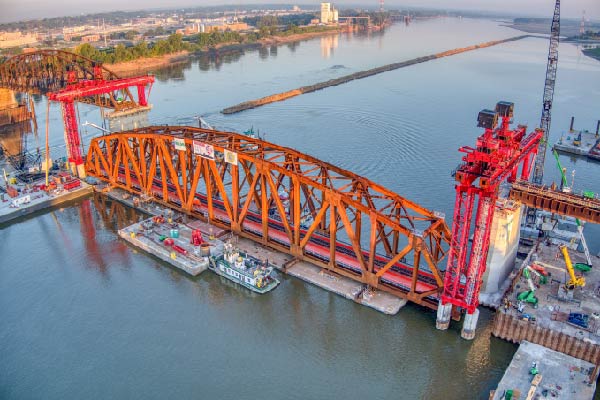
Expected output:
(144, 65)
(276, 40)
(568, 28)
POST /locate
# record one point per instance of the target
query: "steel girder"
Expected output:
(46, 71)
(546, 198)
(284, 199)
(51, 71)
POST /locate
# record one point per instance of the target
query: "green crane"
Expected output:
(562, 172)
(529, 296)
(583, 267)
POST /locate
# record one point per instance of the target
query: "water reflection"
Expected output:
(17, 123)
(13, 137)
(293, 46)
(101, 252)
(114, 215)
(214, 59)
(328, 45)
(172, 71)
(263, 53)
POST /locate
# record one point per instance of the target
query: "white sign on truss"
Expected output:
(231, 157)
(204, 150)
(179, 144)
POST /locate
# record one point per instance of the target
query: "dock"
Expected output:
(548, 323)
(559, 376)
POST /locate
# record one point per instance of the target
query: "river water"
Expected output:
(86, 316)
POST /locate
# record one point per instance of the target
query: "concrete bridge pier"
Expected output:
(444, 313)
(469, 325)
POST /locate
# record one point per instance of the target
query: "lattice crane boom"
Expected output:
(551, 67)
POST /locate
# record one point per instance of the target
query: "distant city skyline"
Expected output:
(15, 10)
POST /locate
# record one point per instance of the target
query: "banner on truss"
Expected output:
(204, 150)
(231, 157)
(179, 144)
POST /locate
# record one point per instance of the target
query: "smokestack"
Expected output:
(572, 122)
(598, 128)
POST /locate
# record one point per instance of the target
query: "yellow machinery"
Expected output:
(575, 281)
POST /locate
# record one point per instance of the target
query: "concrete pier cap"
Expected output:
(444, 313)
(469, 325)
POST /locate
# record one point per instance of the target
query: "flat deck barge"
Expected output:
(171, 242)
(559, 376)
(578, 142)
(30, 198)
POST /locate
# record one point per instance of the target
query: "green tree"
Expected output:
(121, 53)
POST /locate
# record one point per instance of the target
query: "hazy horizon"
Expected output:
(17, 10)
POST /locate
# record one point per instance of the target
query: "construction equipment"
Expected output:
(564, 188)
(563, 181)
(577, 140)
(534, 369)
(499, 155)
(540, 270)
(574, 281)
(579, 319)
(583, 267)
(197, 238)
(542, 277)
(77, 89)
(551, 67)
(528, 296)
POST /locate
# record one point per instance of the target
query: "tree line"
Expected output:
(194, 43)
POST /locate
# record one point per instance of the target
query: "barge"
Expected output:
(579, 143)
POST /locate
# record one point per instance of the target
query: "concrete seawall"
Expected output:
(359, 75)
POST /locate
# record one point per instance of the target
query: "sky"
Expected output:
(14, 10)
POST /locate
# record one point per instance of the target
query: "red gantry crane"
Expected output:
(499, 153)
(79, 90)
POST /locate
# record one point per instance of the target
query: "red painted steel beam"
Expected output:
(72, 133)
(93, 87)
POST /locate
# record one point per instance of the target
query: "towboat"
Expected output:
(244, 270)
